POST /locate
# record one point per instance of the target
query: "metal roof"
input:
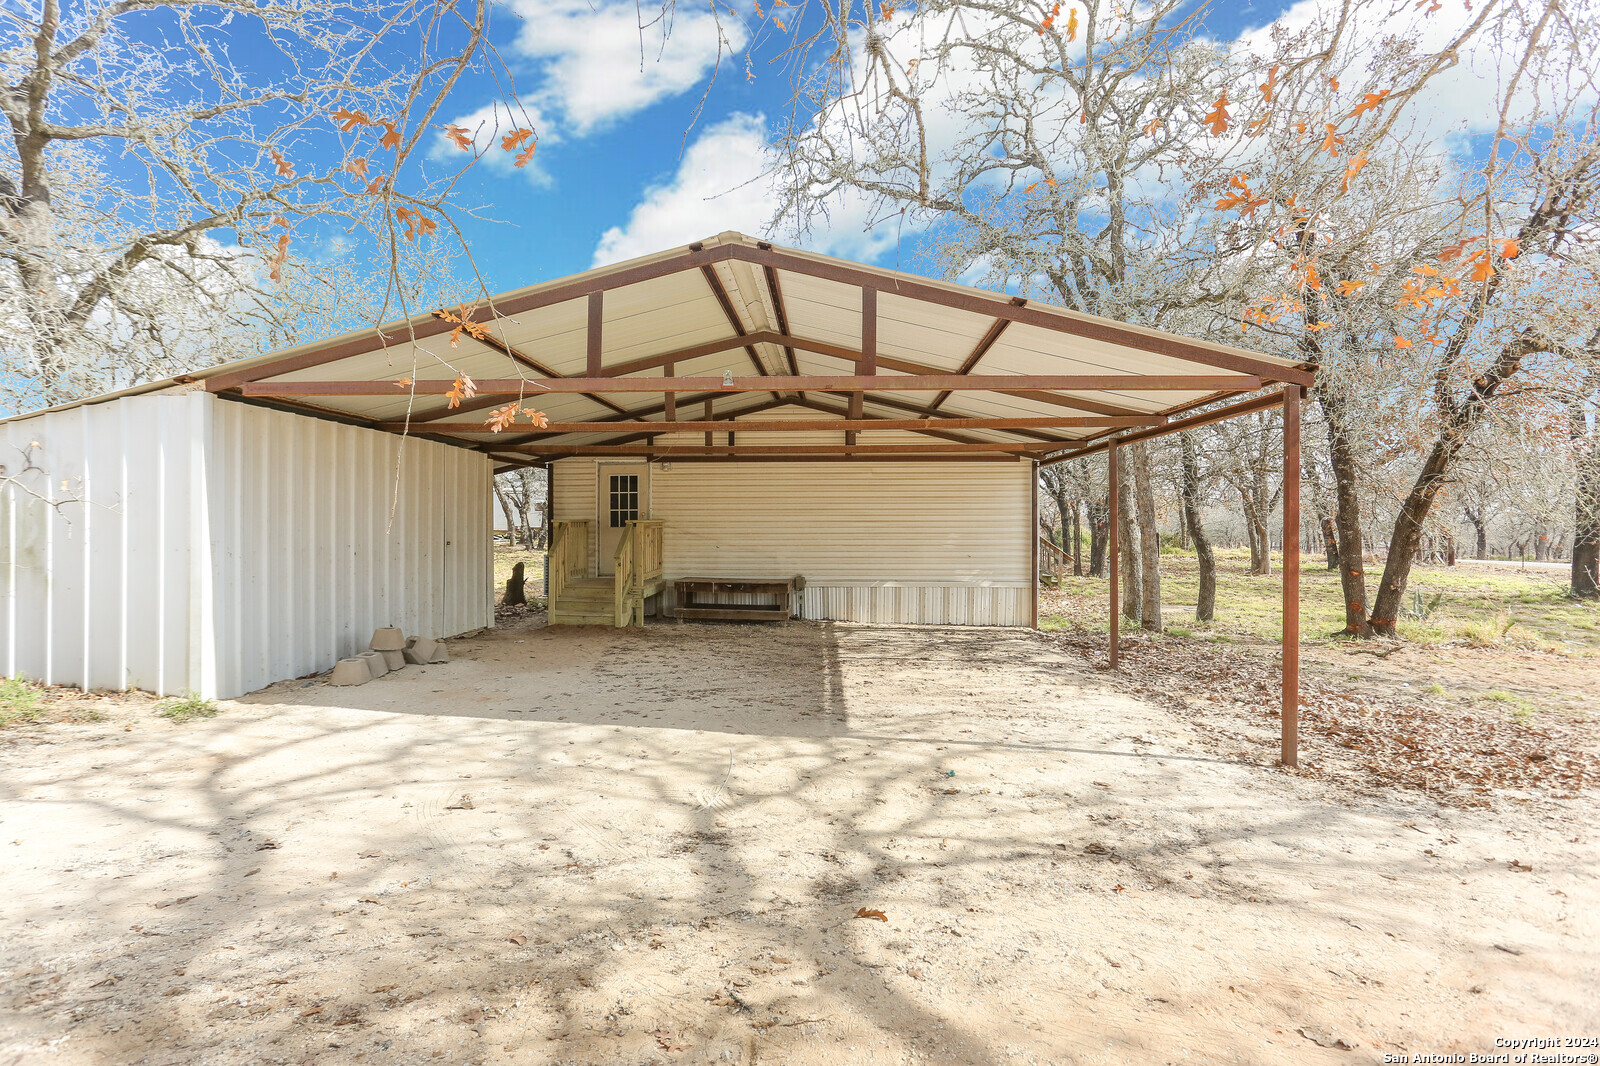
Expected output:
(751, 332)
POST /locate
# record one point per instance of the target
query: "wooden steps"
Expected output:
(585, 601)
(619, 600)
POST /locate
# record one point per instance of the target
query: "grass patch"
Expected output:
(1520, 708)
(505, 557)
(1478, 606)
(19, 702)
(187, 708)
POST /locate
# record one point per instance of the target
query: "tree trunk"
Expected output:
(1255, 528)
(505, 509)
(1435, 474)
(1481, 529)
(1099, 534)
(1132, 578)
(1205, 606)
(1586, 498)
(1346, 516)
(1077, 540)
(1149, 537)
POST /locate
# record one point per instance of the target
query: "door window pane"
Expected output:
(624, 500)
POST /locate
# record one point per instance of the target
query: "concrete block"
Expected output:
(375, 663)
(441, 654)
(393, 659)
(413, 656)
(350, 672)
(389, 638)
(425, 650)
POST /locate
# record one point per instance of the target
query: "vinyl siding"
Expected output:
(943, 543)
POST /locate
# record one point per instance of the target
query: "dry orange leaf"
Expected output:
(391, 136)
(459, 136)
(1072, 25)
(280, 258)
(1269, 86)
(1369, 102)
(462, 388)
(1352, 168)
(357, 166)
(284, 167)
(1218, 117)
(878, 915)
(403, 382)
(514, 139)
(349, 120)
(1510, 248)
(525, 156)
(1332, 141)
(1401, 342)
(501, 417)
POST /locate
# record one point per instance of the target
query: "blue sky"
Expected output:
(617, 176)
(626, 167)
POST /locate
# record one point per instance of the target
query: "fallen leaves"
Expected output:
(465, 802)
(875, 915)
(1456, 754)
(518, 938)
(667, 1041)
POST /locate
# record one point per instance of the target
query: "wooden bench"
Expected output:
(689, 591)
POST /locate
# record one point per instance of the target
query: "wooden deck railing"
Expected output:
(569, 554)
(638, 568)
(1053, 554)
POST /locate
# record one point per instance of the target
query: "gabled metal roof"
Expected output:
(730, 329)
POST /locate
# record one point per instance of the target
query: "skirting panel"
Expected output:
(949, 605)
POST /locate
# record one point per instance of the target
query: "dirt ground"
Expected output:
(598, 846)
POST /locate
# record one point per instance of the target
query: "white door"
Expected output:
(624, 497)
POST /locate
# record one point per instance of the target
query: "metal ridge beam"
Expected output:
(530, 389)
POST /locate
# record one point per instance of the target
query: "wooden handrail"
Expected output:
(626, 576)
(1062, 556)
(569, 554)
(638, 560)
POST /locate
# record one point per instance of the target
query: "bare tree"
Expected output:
(1206, 604)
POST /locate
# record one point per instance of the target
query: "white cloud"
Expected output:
(1466, 97)
(600, 65)
(722, 183)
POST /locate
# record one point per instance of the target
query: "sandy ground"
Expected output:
(630, 847)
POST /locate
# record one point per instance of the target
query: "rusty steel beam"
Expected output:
(979, 350)
(531, 389)
(808, 425)
(1177, 425)
(672, 451)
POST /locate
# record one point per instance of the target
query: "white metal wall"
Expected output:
(939, 543)
(176, 542)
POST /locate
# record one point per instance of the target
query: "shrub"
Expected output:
(19, 701)
(187, 708)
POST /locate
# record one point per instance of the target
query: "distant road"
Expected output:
(1514, 564)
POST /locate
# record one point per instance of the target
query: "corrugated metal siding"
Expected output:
(323, 532)
(937, 543)
(213, 547)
